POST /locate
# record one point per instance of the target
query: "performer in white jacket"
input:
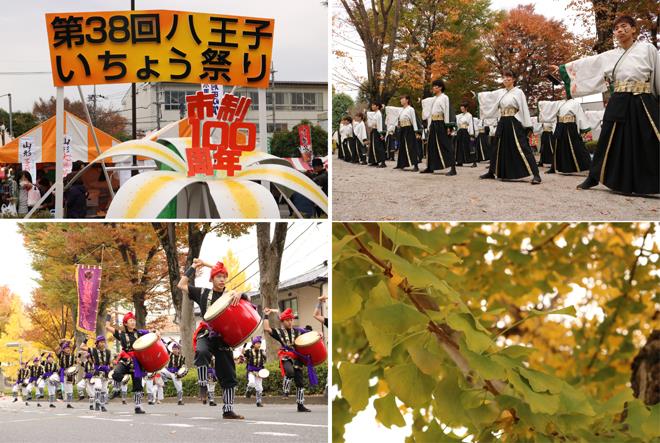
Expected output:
(376, 154)
(512, 157)
(465, 147)
(361, 139)
(440, 152)
(408, 134)
(569, 153)
(627, 158)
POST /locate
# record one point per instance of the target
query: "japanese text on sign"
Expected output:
(236, 136)
(159, 46)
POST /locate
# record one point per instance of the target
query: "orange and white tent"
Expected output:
(177, 129)
(42, 139)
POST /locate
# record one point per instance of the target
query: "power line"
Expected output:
(285, 248)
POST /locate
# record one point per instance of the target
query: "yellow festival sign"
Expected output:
(159, 46)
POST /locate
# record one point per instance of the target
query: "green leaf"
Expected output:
(474, 398)
(516, 352)
(355, 384)
(338, 245)
(381, 342)
(636, 418)
(396, 318)
(476, 340)
(426, 353)
(538, 403)
(541, 382)
(410, 385)
(416, 275)
(445, 259)
(387, 413)
(575, 401)
(484, 365)
(434, 434)
(346, 301)
(568, 310)
(379, 296)
(400, 237)
(447, 399)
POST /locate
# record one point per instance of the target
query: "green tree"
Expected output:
(340, 105)
(22, 121)
(286, 143)
(513, 332)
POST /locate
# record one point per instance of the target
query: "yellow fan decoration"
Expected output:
(145, 195)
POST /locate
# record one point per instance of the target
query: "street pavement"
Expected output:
(275, 422)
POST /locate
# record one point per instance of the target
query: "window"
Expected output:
(173, 99)
(290, 303)
(279, 100)
(279, 127)
(305, 101)
(254, 95)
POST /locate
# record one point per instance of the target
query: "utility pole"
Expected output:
(272, 91)
(134, 172)
(157, 103)
(93, 98)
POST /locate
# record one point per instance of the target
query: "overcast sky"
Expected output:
(306, 246)
(299, 52)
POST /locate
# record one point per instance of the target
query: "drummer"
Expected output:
(66, 360)
(23, 378)
(127, 362)
(85, 384)
(50, 368)
(171, 372)
(206, 342)
(291, 365)
(102, 359)
(255, 359)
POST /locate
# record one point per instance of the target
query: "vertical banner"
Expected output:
(67, 161)
(26, 157)
(88, 281)
(305, 138)
(217, 91)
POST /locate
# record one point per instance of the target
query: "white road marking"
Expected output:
(281, 423)
(202, 418)
(176, 425)
(276, 434)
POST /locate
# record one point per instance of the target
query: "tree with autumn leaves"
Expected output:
(140, 262)
(529, 332)
(463, 42)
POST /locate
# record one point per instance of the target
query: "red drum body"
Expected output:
(234, 323)
(311, 344)
(151, 352)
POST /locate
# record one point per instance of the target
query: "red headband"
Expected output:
(127, 317)
(219, 268)
(287, 315)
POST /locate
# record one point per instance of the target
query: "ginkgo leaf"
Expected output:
(387, 413)
(355, 384)
(477, 341)
(409, 384)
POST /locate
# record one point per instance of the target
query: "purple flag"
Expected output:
(88, 280)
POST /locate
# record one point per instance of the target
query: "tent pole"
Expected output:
(59, 153)
(96, 142)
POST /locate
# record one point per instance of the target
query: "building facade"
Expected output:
(158, 104)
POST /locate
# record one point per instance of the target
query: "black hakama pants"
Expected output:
(513, 158)
(376, 148)
(547, 147)
(570, 154)
(483, 147)
(627, 158)
(407, 147)
(464, 148)
(441, 153)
